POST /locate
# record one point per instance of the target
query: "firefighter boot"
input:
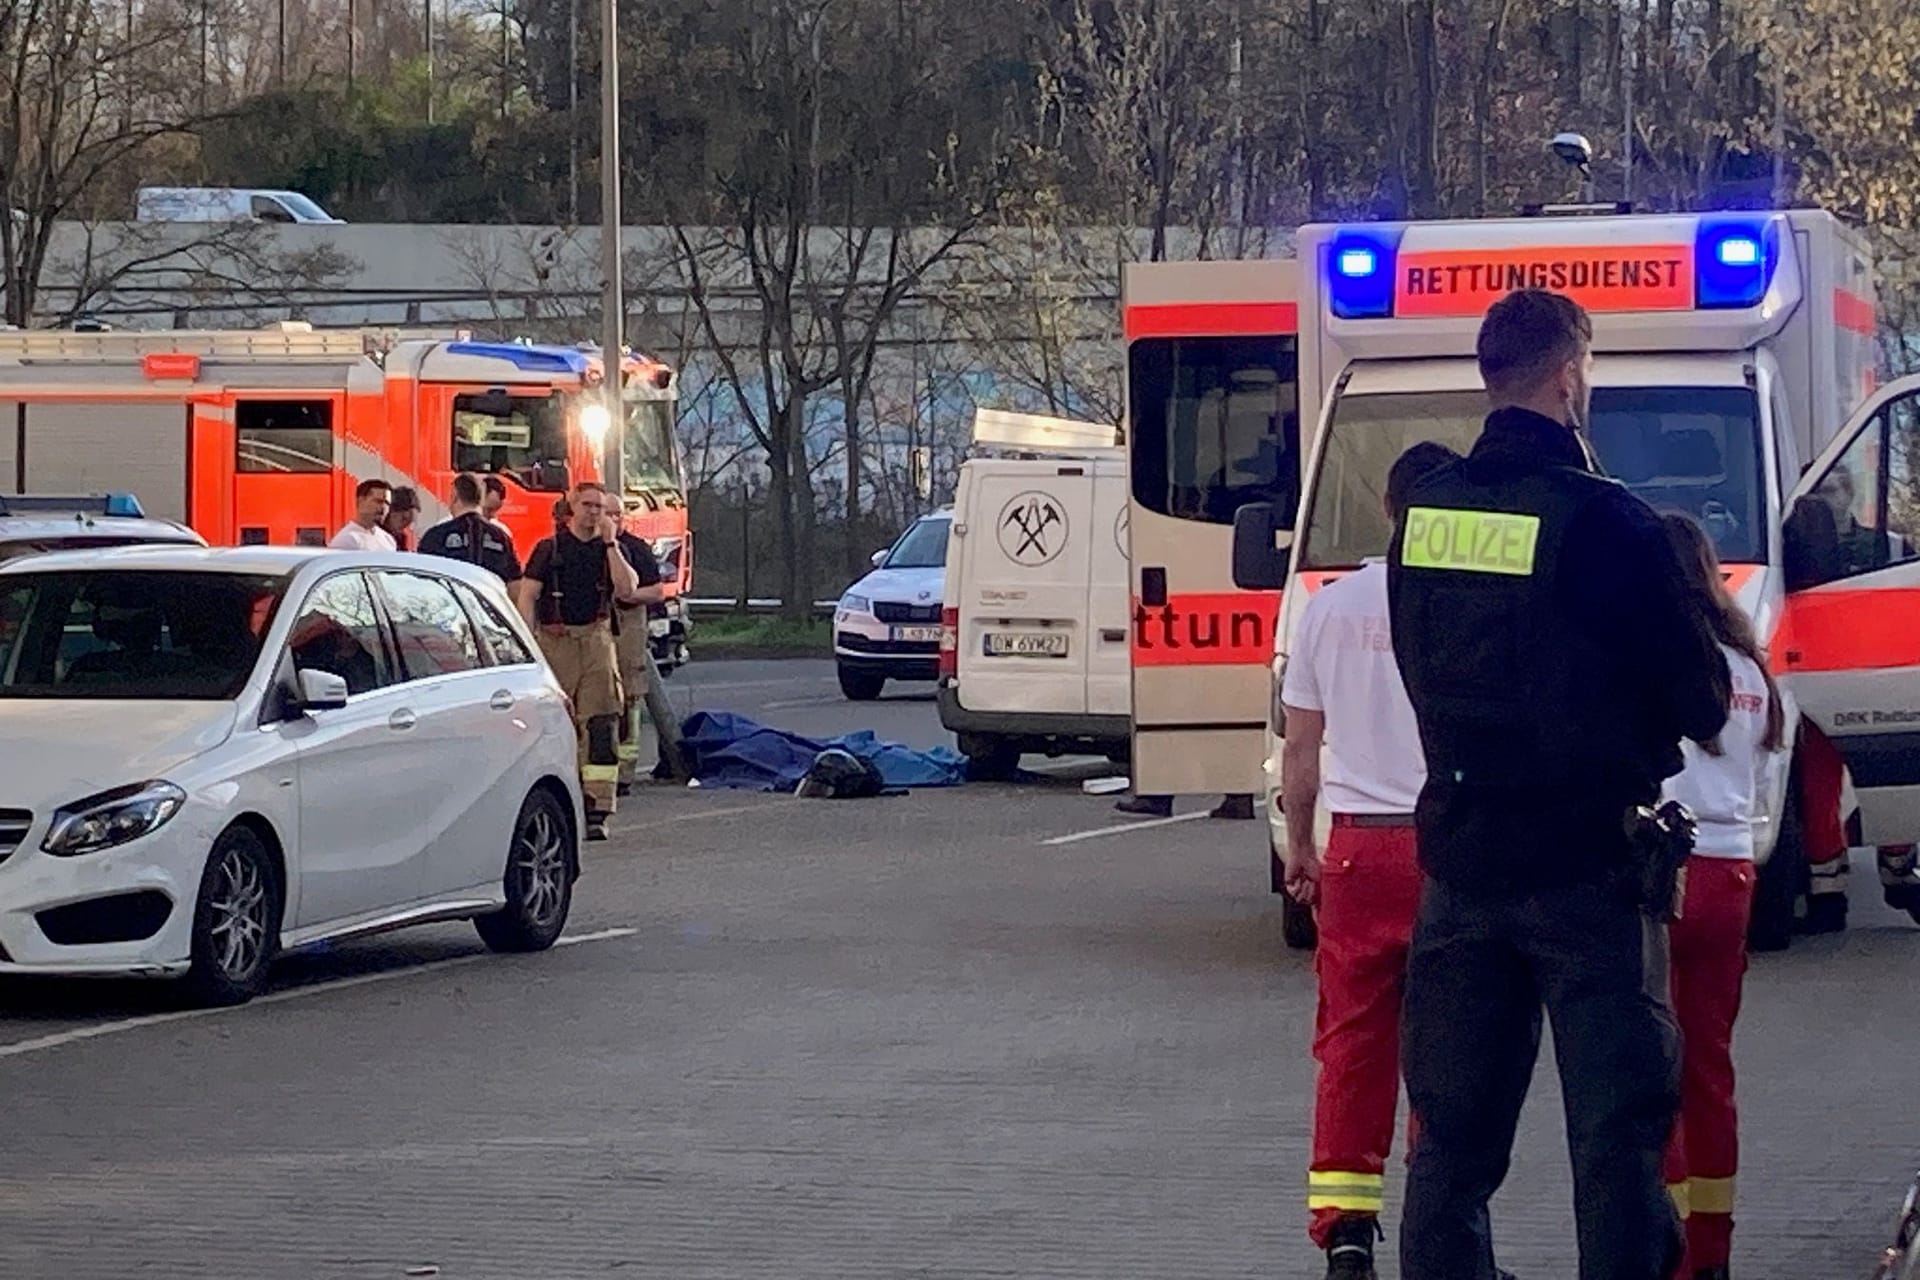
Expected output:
(1900, 878)
(1350, 1247)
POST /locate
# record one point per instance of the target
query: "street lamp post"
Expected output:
(613, 303)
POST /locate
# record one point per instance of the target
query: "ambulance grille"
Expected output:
(13, 829)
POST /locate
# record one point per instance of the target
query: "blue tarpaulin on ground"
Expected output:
(728, 750)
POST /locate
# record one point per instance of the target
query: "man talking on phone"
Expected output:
(571, 584)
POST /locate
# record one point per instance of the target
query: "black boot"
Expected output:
(1234, 809)
(1146, 806)
(1826, 913)
(1711, 1273)
(1350, 1247)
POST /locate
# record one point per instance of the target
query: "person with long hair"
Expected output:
(1723, 784)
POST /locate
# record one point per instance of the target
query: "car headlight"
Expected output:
(856, 604)
(112, 818)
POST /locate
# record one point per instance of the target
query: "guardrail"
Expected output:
(720, 606)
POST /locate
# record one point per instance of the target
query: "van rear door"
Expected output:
(1109, 660)
(1023, 628)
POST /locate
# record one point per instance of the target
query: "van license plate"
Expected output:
(1026, 644)
(917, 635)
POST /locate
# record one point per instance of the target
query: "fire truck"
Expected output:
(259, 436)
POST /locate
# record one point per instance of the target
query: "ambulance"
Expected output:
(1034, 627)
(1733, 380)
(259, 436)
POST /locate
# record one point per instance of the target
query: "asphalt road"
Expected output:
(976, 1033)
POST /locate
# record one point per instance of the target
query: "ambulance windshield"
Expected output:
(1694, 450)
(521, 436)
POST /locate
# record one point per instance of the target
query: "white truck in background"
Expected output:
(1733, 379)
(1034, 628)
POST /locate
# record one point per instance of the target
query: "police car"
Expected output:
(32, 523)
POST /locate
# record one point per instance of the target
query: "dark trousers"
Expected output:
(1482, 966)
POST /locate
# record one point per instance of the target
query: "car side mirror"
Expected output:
(877, 559)
(322, 691)
(1260, 562)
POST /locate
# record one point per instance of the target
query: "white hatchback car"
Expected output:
(212, 756)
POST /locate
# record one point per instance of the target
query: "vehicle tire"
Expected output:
(539, 879)
(860, 686)
(1781, 879)
(989, 758)
(236, 921)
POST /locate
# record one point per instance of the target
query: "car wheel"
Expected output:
(539, 880)
(861, 686)
(989, 758)
(236, 921)
(1781, 879)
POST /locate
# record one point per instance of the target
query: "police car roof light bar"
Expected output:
(92, 504)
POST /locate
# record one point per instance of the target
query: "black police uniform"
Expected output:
(1554, 657)
(475, 539)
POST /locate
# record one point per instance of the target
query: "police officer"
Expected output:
(468, 535)
(567, 595)
(1554, 657)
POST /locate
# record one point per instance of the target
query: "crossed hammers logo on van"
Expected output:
(1033, 528)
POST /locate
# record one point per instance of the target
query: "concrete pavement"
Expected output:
(917, 1037)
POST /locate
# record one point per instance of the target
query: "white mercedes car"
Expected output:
(213, 756)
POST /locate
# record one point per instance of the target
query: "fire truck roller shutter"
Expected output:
(10, 442)
(96, 448)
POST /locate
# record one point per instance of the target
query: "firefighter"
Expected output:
(1720, 786)
(1342, 687)
(568, 593)
(1554, 656)
(631, 643)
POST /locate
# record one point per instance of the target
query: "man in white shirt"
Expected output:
(1342, 688)
(365, 532)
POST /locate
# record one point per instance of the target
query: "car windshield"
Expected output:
(521, 436)
(924, 546)
(1694, 450)
(131, 633)
(304, 207)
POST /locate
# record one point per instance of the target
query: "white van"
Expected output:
(1035, 629)
(226, 204)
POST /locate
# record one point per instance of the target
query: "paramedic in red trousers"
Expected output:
(1342, 688)
(1721, 785)
(1555, 655)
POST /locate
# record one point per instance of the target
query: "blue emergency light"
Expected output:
(1734, 261)
(1359, 272)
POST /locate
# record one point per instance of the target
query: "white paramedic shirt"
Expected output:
(1342, 666)
(353, 537)
(1723, 791)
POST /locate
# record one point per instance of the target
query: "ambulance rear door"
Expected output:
(1849, 641)
(1023, 631)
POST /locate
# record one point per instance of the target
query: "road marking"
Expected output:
(74, 1035)
(1121, 829)
(800, 702)
(716, 813)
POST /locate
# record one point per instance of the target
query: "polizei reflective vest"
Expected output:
(1506, 690)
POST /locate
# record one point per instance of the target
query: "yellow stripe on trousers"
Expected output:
(1338, 1189)
(1710, 1195)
